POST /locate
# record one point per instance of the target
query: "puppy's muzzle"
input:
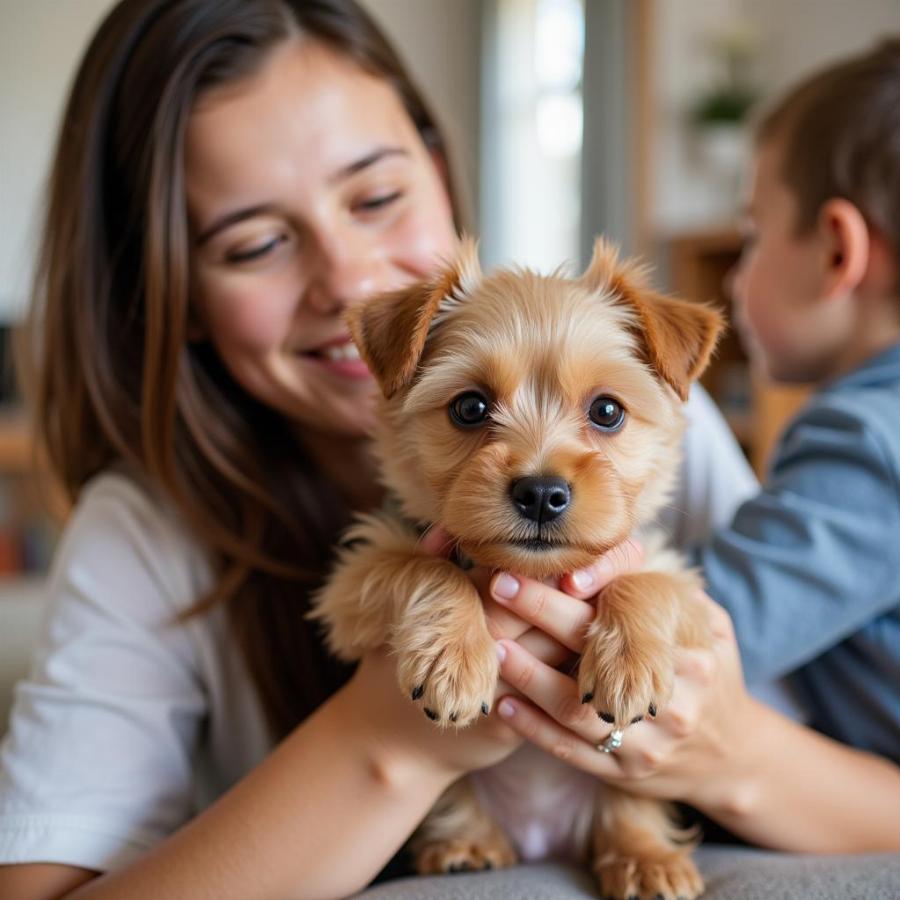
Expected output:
(541, 498)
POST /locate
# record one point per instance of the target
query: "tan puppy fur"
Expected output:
(538, 351)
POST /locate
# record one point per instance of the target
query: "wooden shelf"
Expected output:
(757, 410)
(16, 444)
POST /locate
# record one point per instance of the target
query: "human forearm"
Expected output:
(319, 818)
(790, 788)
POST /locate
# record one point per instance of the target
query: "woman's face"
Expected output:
(308, 190)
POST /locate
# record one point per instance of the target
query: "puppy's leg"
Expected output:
(459, 836)
(384, 589)
(357, 604)
(639, 852)
(445, 654)
(627, 667)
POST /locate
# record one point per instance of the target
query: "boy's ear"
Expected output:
(677, 336)
(390, 330)
(846, 247)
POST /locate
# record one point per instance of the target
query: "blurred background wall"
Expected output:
(566, 118)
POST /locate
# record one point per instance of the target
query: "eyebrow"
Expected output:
(249, 212)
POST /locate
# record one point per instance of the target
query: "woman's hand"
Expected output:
(549, 634)
(689, 751)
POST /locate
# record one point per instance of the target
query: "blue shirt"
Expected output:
(810, 568)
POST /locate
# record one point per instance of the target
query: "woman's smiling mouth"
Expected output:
(341, 357)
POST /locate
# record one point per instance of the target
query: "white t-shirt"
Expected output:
(125, 713)
(122, 707)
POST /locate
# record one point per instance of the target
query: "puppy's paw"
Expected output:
(625, 679)
(461, 855)
(670, 877)
(453, 674)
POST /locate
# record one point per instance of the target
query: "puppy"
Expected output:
(537, 419)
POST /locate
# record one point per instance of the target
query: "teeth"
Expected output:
(341, 353)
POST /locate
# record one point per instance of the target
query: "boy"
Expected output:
(810, 569)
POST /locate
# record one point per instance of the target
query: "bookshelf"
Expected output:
(29, 512)
(756, 409)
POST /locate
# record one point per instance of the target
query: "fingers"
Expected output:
(563, 617)
(552, 691)
(623, 558)
(719, 621)
(544, 648)
(537, 727)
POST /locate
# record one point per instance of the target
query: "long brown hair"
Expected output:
(106, 361)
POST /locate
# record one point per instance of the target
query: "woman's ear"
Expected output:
(845, 238)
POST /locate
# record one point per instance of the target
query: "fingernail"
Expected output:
(506, 709)
(501, 651)
(505, 586)
(583, 580)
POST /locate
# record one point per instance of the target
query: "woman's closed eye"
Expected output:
(257, 250)
(378, 202)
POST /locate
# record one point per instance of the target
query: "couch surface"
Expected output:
(731, 874)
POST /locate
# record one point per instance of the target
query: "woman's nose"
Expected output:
(345, 273)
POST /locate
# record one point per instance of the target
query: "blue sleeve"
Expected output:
(813, 557)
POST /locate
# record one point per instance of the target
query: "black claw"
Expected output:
(609, 718)
(454, 717)
(660, 897)
(637, 719)
(652, 710)
(432, 715)
(633, 897)
(586, 698)
(417, 692)
(484, 709)
(488, 864)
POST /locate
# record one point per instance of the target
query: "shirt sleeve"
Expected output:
(97, 765)
(715, 477)
(812, 558)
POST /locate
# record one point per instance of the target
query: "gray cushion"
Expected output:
(731, 874)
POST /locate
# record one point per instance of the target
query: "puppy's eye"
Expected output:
(606, 414)
(469, 410)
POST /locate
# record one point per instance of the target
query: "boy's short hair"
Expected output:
(838, 134)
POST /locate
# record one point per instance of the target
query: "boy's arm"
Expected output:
(812, 558)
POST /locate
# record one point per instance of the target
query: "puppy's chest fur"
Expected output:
(543, 805)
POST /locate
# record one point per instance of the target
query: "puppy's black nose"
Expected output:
(541, 498)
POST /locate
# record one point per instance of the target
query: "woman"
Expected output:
(230, 176)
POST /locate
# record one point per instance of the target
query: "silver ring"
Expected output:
(612, 743)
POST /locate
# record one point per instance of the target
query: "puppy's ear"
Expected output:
(678, 336)
(391, 329)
